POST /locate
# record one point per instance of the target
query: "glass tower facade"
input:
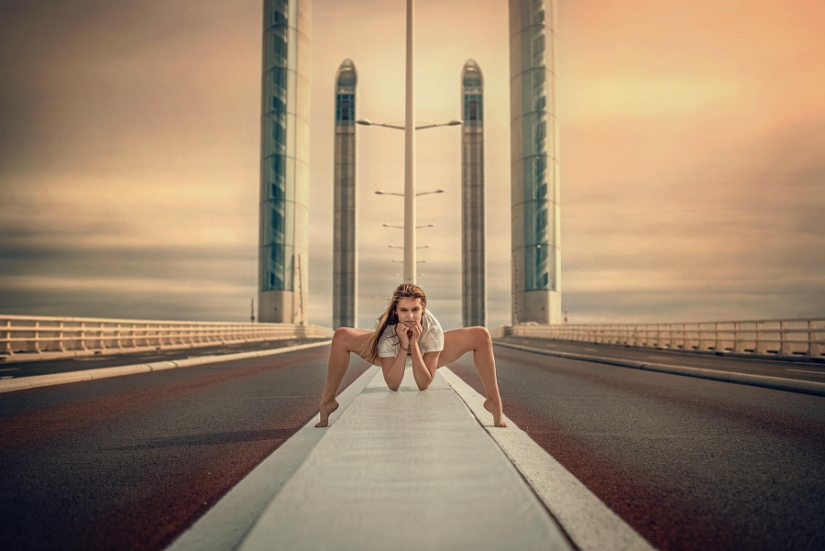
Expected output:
(535, 165)
(473, 263)
(284, 196)
(345, 230)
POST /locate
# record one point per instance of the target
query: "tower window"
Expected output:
(473, 107)
(345, 108)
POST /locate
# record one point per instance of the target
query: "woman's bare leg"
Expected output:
(345, 341)
(458, 342)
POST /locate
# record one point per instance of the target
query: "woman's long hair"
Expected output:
(390, 317)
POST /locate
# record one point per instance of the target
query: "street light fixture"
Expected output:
(402, 227)
(382, 192)
(367, 122)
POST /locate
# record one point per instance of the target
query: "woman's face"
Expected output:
(409, 311)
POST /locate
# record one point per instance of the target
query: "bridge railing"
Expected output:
(37, 337)
(805, 337)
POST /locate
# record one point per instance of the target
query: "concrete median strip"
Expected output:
(588, 522)
(226, 524)
(406, 470)
(764, 381)
(22, 383)
(389, 461)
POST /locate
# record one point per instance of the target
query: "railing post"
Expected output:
(9, 347)
(81, 333)
(37, 337)
(784, 339)
(60, 337)
(761, 345)
(738, 343)
(813, 342)
(719, 345)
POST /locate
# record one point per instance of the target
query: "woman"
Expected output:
(408, 334)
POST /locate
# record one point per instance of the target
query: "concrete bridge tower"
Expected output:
(283, 257)
(534, 156)
(473, 263)
(345, 230)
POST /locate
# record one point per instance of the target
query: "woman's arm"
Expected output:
(393, 369)
(424, 366)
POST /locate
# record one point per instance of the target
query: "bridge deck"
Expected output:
(407, 470)
(401, 470)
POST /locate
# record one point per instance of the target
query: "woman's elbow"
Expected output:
(423, 385)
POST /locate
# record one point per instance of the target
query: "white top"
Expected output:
(431, 339)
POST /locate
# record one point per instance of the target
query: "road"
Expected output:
(799, 368)
(689, 463)
(130, 462)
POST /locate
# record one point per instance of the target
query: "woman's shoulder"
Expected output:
(388, 332)
(431, 320)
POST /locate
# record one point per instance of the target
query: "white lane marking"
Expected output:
(10, 369)
(803, 371)
(587, 520)
(226, 524)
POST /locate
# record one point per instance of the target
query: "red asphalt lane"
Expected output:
(131, 462)
(673, 506)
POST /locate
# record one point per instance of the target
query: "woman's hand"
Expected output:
(414, 333)
(403, 334)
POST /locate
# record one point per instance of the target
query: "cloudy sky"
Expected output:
(692, 156)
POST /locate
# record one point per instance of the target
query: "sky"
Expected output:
(692, 154)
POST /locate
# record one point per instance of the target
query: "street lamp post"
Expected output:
(409, 196)
(409, 157)
(409, 153)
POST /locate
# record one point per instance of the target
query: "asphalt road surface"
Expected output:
(800, 368)
(130, 462)
(688, 463)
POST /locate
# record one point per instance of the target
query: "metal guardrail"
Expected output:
(790, 337)
(39, 337)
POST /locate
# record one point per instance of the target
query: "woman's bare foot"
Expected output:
(326, 411)
(496, 410)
